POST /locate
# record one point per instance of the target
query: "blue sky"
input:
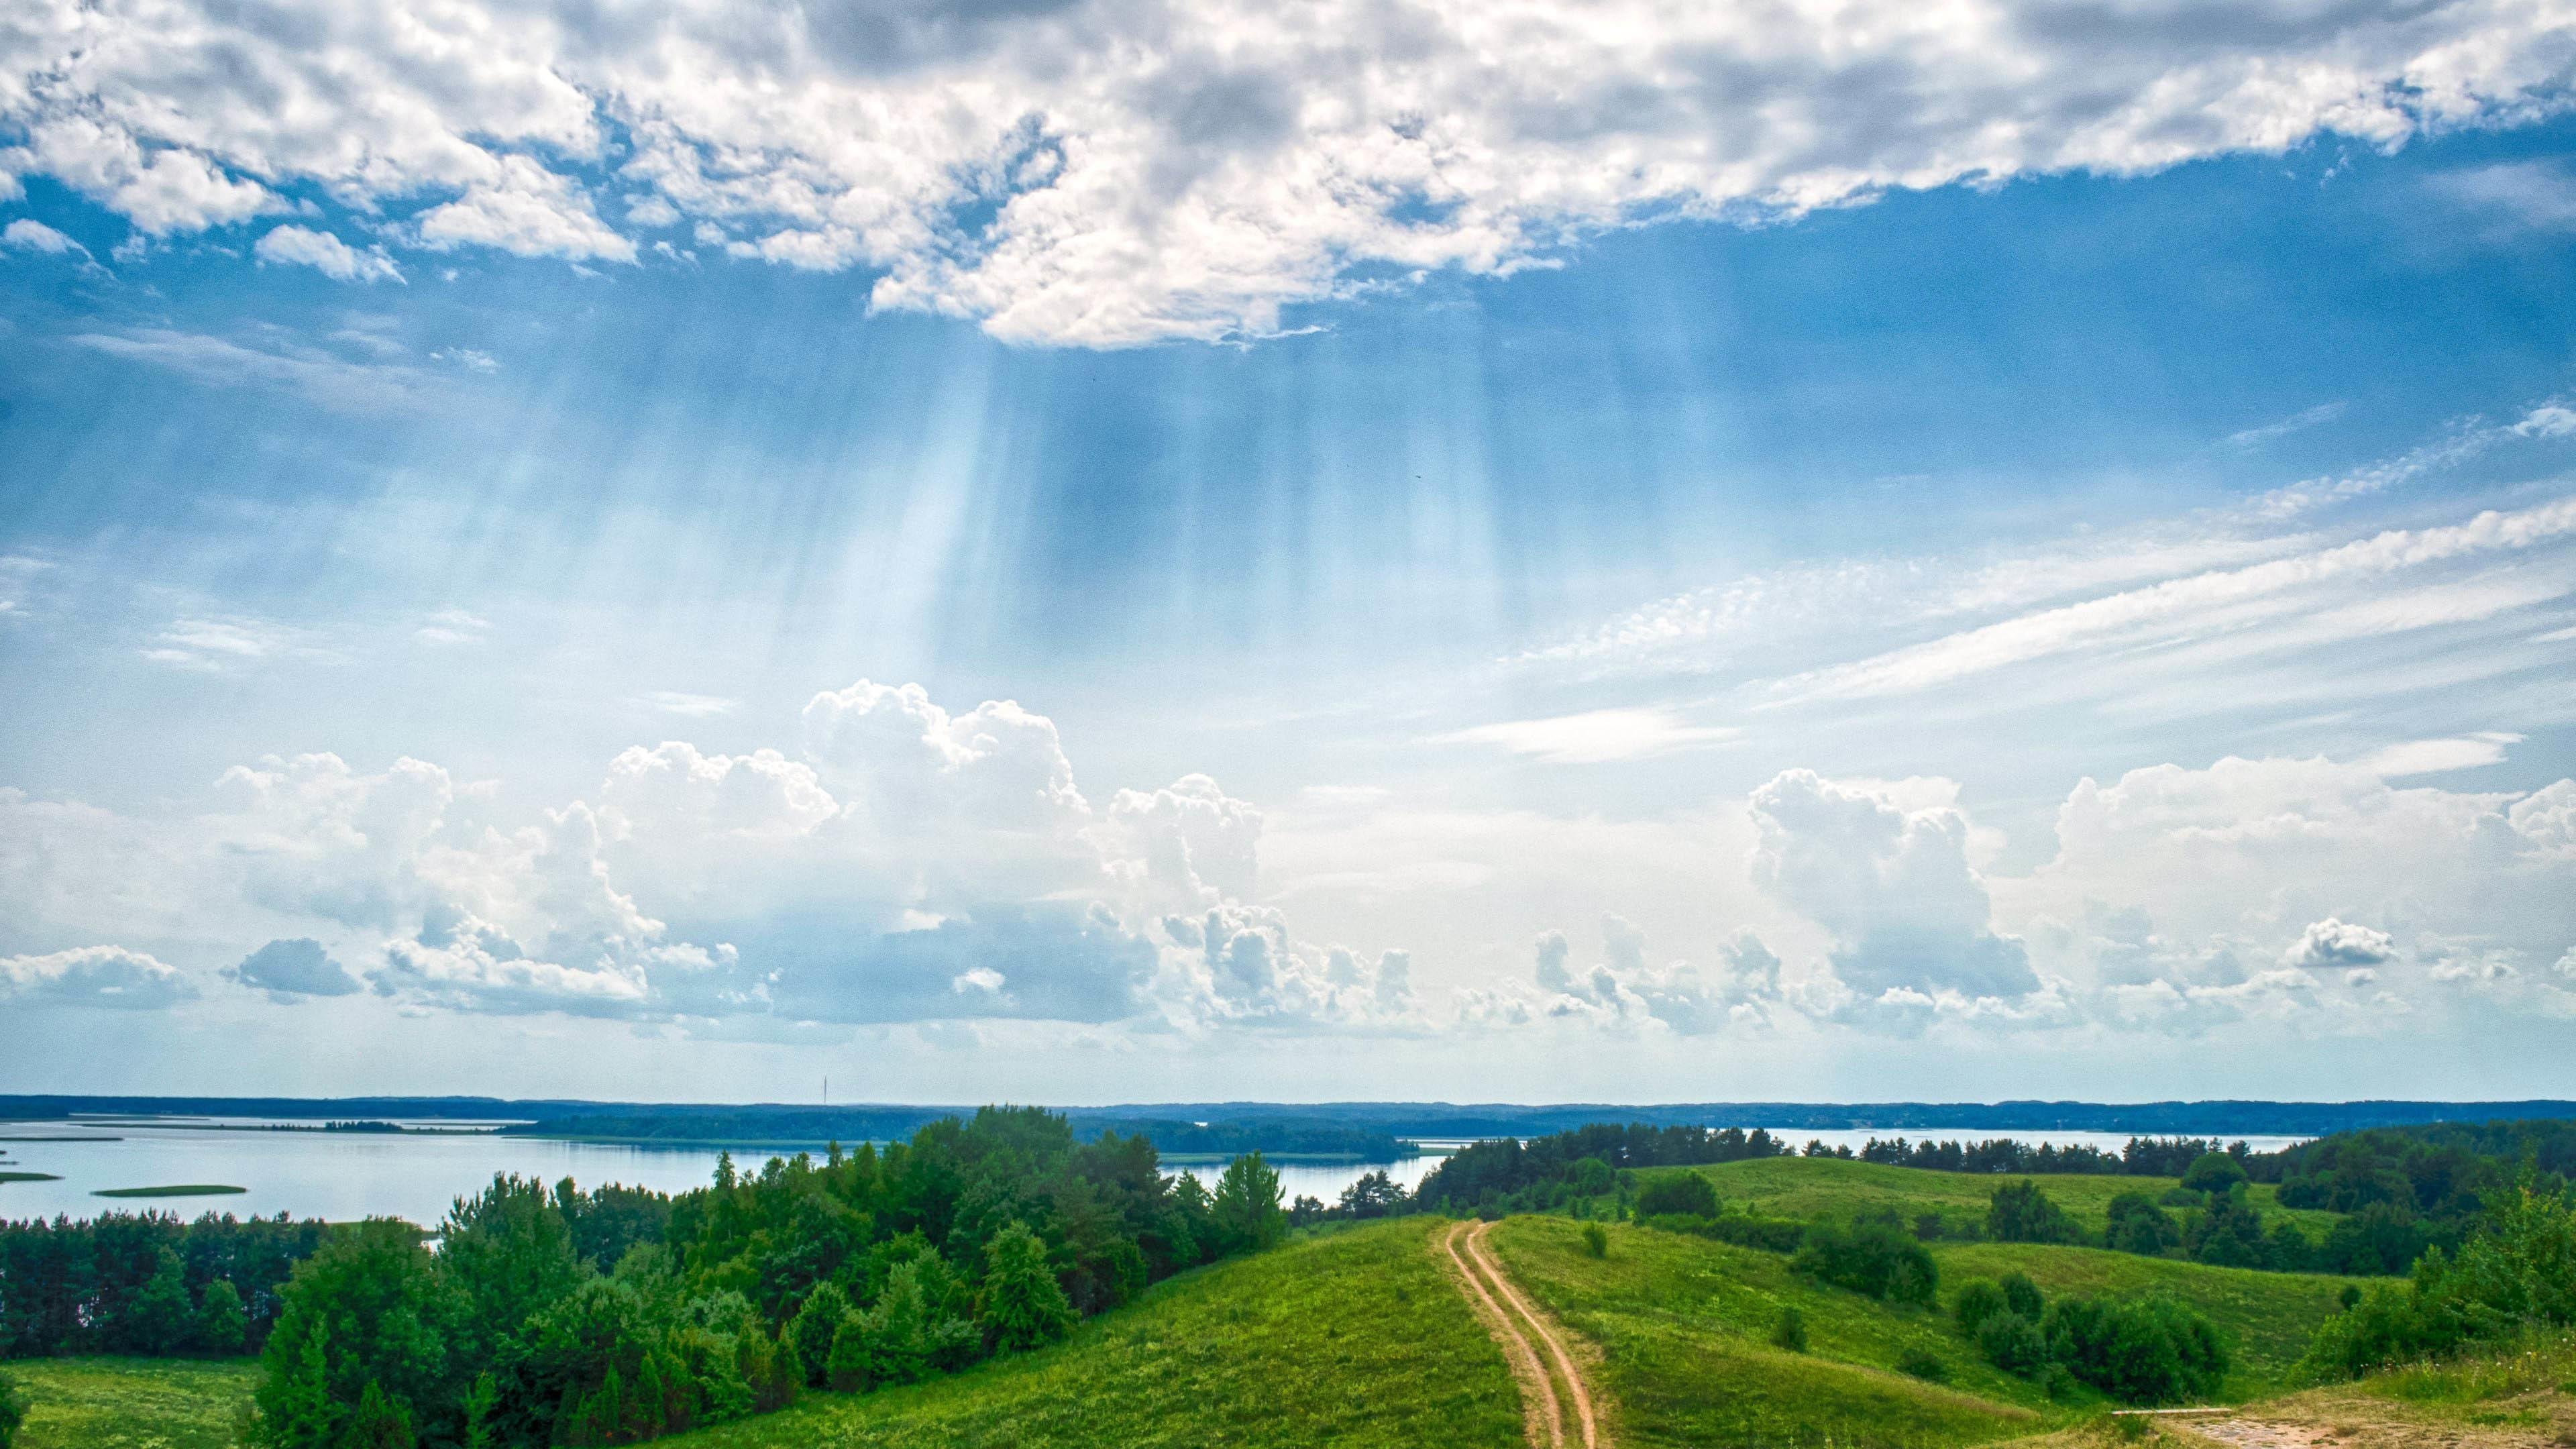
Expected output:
(530, 571)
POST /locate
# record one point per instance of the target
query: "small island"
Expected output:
(182, 1189)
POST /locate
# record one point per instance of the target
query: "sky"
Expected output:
(1086, 552)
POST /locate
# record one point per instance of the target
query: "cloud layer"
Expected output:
(1096, 173)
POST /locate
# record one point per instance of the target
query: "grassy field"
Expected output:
(131, 1403)
(1806, 1187)
(1350, 1340)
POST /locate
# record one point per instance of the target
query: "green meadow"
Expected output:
(1809, 1187)
(131, 1403)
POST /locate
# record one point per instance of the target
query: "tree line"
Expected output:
(146, 1283)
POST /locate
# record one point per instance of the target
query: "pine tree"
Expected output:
(160, 1317)
(379, 1422)
(1024, 1305)
(847, 1370)
(223, 1327)
(812, 1330)
(296, 1410)
(479, 1402)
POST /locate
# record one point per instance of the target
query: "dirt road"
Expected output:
(1550, 1383)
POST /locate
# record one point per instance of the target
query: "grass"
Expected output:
(180, 1189)
(1684, 1324)
(30, 1177)
(1807, 1187)
(131, 1403)
(1354, 1339)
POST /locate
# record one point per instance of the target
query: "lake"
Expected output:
(348, 1175)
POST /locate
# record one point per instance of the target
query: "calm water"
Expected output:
(342, 1176)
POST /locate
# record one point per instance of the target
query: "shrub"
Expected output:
(1023, 1304)
(2021, 1295)
(1923, 1364)
(1790, 1332)
(2139, 1226)
(1876, 1261)
(2151, 1351)
(2519, 1270)
(2012, 1343)
(846, 1371)
(2020, 1213)
(1977, 1302)
(1595, 1241)
(1681, 1193)
(223, 1326)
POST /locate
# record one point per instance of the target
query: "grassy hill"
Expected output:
(1354, 1339)
(1684, 1326)
(1806, 1187)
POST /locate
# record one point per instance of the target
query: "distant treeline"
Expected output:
(1546, 1173)
(819, 1126)
(146, 1284)
(2142, 1157)
(886, 1122)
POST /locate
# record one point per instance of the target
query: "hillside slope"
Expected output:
(1356, 1339)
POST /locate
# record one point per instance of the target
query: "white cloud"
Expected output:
(1593, 737)
(214, 645)
(2517, 195)
(2331, 943)
(327, 254)
(27, 234)
(2200, 603)
(452, 627)
(289, 970)
(2435, 757)
(100, 976)
(472, 359)
(1077, 171)
(688, 706)
(334, 381)
(2297, 422)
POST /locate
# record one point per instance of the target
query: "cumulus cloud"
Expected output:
(1078, 171)
(291, 969)
(2331, 943)
(99, 976)
(1622, 988)
(1593, 737)
(298, 246)
(1885, 868)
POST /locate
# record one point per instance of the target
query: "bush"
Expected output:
(1685, 1193)
(2021, 1295)
(1023, 1304)
(2151, 1351)
(1876, 1261)
(223, 1326)
(814, 1327)
(2012, 1343)
(1923, 1364)
(2020, 1213)
(2517, 1271)
(846, 1370)
(1595, 1241)
(1977, 1302)
(1790, 1332)
(2139, 1226)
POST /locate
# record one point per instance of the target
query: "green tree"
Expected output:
(159, 1318)
(223, 1325)
(2228, 1233)
(1596, 1241)
(2021, 1295)
(368, 1308)
(2019, 1212)
(846, 1370)
(1023, 1305)
(2138, 1225)
(815, 1325)
(510, 1256)
(1681, 1192)
(379, 1422)
(1247, 1205)
(2214, 1172)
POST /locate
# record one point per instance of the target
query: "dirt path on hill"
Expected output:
(1506, 1312)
